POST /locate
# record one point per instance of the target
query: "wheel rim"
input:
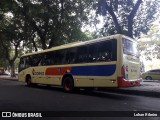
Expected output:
(148, 78)
(67, 86)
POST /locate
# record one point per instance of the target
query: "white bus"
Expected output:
(111, 61)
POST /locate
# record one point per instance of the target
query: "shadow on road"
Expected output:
(94, 93)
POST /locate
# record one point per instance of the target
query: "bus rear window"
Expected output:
(129, 47)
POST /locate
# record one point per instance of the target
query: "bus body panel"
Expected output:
(130, 64)
(132, 67)
(84, 75)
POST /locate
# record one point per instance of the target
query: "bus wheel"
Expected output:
(148, 78)
(68, 84)
(28, 81)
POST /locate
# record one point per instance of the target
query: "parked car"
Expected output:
(151, 75)
(5, 73)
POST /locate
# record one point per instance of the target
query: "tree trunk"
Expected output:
(115, 20)
(43, 42)
(130, 27)
(12, 68)
(131, 17)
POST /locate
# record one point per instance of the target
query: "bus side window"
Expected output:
(92, 53)
(82, 54)
(104, 51)
(22, 64)
(35, 59)
(43, 60)
(59, 57)
(50, 58)
(47, 59)
(70, 55)
(27, 62)
(114, 50)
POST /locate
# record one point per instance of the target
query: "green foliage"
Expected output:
(150, 44)
(40, 24)
(3, 61)
(11, 33)
(51, 23)
(127, 17)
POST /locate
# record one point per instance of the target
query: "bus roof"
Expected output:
(78, 43)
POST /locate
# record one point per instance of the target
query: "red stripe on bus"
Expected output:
(125, 83)
(57, 70)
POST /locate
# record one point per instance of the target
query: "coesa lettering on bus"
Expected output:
(37, 72)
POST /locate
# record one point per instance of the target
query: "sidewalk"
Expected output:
(147, 88)
(7, 77)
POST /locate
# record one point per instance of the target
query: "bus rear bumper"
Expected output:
(128, 83)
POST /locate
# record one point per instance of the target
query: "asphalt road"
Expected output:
(15, 96)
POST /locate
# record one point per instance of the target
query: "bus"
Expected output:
(111, 61)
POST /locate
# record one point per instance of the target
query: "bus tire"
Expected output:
(148, 78)
(68, 84)
(28, 80)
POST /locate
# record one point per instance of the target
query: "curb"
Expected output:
(12, 79)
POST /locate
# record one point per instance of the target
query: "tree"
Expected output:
(39, 24)
(11, 33)
(127, 16)
(54, 22)
(10, 41)
(149, 45)
(3, 62)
